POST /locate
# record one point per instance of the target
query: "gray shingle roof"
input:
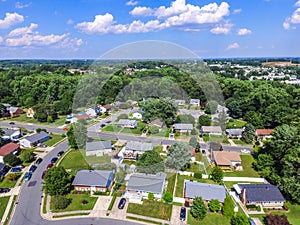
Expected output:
(147, 182)
(92, 178)
(183, 126)
(37, 136)
(125, 122)
(139, 146)
(211, 129)
(206, 191)
(98, 145)
(262, 192)
(234, 132)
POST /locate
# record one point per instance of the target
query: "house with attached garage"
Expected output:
(135, 148)
(216, 130)
(11, 134)
(98, 148)
(139, 185)
(34, 139)
(157, 122)
(127, 123)
(10, 148)
(180, 102)
(227, 160)
(264, 133)
(266, 195)
(183, 127)
(208, 192)
(93, 180)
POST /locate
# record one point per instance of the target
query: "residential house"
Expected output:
(267, 195)
(208, 192)
(7, 149)
(227, 160)
(140, 185)
(180, 102)
(91, 113)
(98, 148)
(93, 180)
(137, 115)
(195, 102)
(108, 107)
(14, 111)
(127, 123)
(35, 139)
(82, 116)
(135, 148)
(183, 127)
(235, 132)
(11, 134)
(157, 122)
(264, 133)
(216, 130)
(30, 113)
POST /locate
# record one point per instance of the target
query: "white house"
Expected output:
(195, 102)
(135, 148)
(183, 127)
(127, 123)
(91, 112)
(34, 139)
(137, 115)
(99, 148)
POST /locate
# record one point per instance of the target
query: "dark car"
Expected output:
(4, 190)
(32, 169)
(53, 160)
(102, 125)
(203, 152)
(12, 123)
(39, 160)
(49, 166)
(182, 213)
(43, 174)
(122, 203)
(16, 170)
(60, 153)
(27, 176)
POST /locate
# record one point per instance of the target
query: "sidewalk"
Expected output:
(231, 142)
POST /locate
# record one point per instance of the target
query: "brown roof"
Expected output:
(193, 152)
(157, 122)
(225, 158)
(83, 116)
(8, 148)
(108, 106)
(264, 132)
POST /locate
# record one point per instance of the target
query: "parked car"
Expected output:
(16, 170)
(12, 123)
(39, 160)
(122, 203)
(182, 213)
(19, 166)
(49, 166)
(53, 160)
(203, 152)
(32, 168)
(4, 190)
(43, 174)
(27, 176)
(245, 151)
(60, 153)
(43, 145)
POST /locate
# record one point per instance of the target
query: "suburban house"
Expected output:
(137, 115)
(195, 102)
(108, 107)
(227, 160)
(82, 116)
(139, 185)
(267, 195)
(235, 132)
(208, 192)
(8, 149)
(217, 130)
(91, 112)
(183, 127)
(263, 133)
(93, 180)
(135, 148)
(98, 148)
(157, 122)
(35, 139)
(30, 113)
(127, 123)
(11, 134)
(14, 111)
(180, 102)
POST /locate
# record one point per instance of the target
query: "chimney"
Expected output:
(20, 130)
(244, 199)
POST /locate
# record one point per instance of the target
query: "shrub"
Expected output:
(193, 132)
(168, 197)
(198, 175)
(151, 196)
(276, 220)
(251, 206)
(84, 202)
(60, 202)
(214, 205)
(287, 205)
(63, 135)
(123, 116)
(258, 208)
(13, 176)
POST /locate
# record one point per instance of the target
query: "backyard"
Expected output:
(74, 161)
(54, 139)
(234, 123)
(248, 170)
(171, 182)
(210, 219)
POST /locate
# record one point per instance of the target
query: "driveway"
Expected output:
(119, 213)
(175, 218)
(13, 191)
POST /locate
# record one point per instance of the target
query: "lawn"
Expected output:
(111, 128)
(129, 162)
(137, 131)
(240, 142)
(165, 132)
(91, 160)
(54, 139)
(159, 149)
(6, 183)
(235, 124)
(153, 209)
(210, 219)
(3, 204)
(23, 118)
(74, 161)
(248, 171)
(76, 203)
(215, 138)
(171, 182)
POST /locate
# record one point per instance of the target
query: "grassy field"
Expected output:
(240, 142)
(91, 160)
(111, 128)
(210, 219)
(248, 171)
(3, 204)
(236, 124)
(6, 183)
(165, 132)
(153, 209)
(54, 139)
(215, 138)
(23, 118)
(74, 161)
(171, 182)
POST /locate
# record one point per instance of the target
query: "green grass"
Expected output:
(248, 171)
(158, 149)
(76, 203)
(69, 215)
(111, 128)
(236, 124)
(215, 138)
(129, 162)
(171, 182)
(112, 202)
(142, 220)
(74, 161)
(24, 119)
(54, 139)
(199, 156)
(45, 204)
(165, 132)
(6, 183)
(3, 204)
(136, 131)
(91, 160)
(240, 142)
(210, 219)
(154, 209)
(10, 210)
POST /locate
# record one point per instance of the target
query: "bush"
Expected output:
(193, 132)
(286, 205)
(13, 176)
(150, 196)
(63, 135)
(60, 202)
(258, 208)
(101, 193)
(38, 130)
(168, 197)
(84, 202)
(26, 156)
(11, 160)
(198, 175)
(251, 206)
(153, 129)
(123, 116)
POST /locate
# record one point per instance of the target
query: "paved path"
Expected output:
(231, 142)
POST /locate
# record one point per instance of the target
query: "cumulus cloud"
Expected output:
(1, 39)
(23, 30)
(225, 29)
(244, 31)
(179, 15)
(72, 44)
(237, 11)
(11, 19)
(20, 5)
(297, 3)
(233, 46)
(293, 19)
(131, 3)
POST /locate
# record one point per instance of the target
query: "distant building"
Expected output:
(195, 102)
(180, 102)
(135, 148)
(235, 132)
(227, 160)
(264, 133)
(30, 113)
(11, 134)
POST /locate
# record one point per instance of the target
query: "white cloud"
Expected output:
(20, 5)
(293, 19)
(297, 3)
(1, 39)
(131, 3)
(237, 11)
(244, 31)
(23, 30)
(72, 44)
(233, 46)
(69, 22)
(179, 15)
(10, 20)
(225, 29)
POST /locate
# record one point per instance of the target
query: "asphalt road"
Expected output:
(27, 211)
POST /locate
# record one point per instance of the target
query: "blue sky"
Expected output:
(89, 28)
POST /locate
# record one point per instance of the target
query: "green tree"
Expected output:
(11, 160)
(168, 197)
(57, 181)
(71, 137)
(49, 119)
(217, 174)
(26, 156)
(185, 118)
(150, 162)
(193, 142)
(221, 120)
(60, 202)
(240, 219)
(211, 107)
(150, 196)
(228, 207)
(153, 129)
(179, 156)
(214, 205)
(248, 134)
(235, 110)
(204, 120)
(198, 209)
